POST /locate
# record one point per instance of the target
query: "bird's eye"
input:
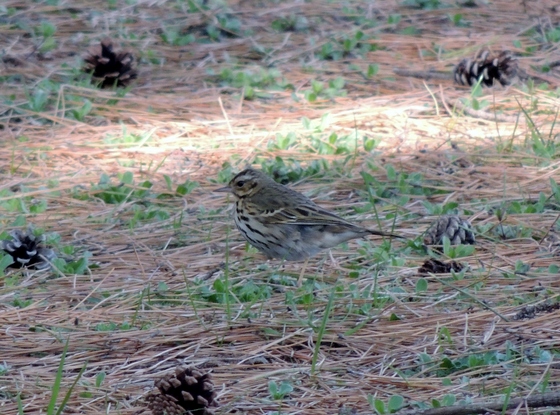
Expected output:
(240, 183)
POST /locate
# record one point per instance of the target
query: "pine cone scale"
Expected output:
(502, 68)
(110, 68)
(25, 250)
(186, 391)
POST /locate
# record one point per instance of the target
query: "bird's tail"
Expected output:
(388, 235)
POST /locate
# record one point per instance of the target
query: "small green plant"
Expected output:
(79, 114)
(45, 31)
(225, 174)
(421, 285)
(150, 213)
(282, 279)
(546, 145)
(456, 251)
(283, 142)
(458, 20)
(372, 70)
(359, 43)
(288, 170)
(20, 203)
(226, 26)
(324, 142)
(291, 23)
(38, 100)
(21, 303)
(434, 51)
(334, 144)
(423, 4)
(449, 208)
(254, 82)
(399, 186)
(370, 143)
(111, 193)
(81, 266)
(476, 92)
(394, 19)
(521, 267)
(4, 369)
(549, 36)
(279, 392)
(110, 326)
(444, 337)
(334, 88)
(127, 139)
(359, 16)
(99, 378)
(552, 35)
(182, 189)
(447, 400)
(506, 232)
(55, 391)
(221, 292)
(394, 404)
(527, 207)
(555, 192)
(174, 36)
(368, 299)
(196, 6)
(410, 31)
(355, 45)
(329, 51)
(151, 56)
(321, 330)
(305, 295)
(382, 254)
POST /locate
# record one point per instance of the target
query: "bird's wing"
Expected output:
(306, 212)
(302, 214)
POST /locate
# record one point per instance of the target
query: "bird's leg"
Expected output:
(302, 273)
(334, 262)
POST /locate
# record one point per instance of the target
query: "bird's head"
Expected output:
(245, 184)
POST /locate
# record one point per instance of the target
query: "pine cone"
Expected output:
(501, 68)
(186, 392)
(435, 266)
(110, 68)
(458, 231)
(530, 311)
(24, 249)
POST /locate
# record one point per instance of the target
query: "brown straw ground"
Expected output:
(153, 296)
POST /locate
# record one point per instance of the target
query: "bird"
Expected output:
(283, 223)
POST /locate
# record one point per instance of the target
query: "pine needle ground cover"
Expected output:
(150, 274)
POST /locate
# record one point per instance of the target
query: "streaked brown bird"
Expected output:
(283, 223)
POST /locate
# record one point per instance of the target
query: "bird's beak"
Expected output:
(223, 189)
